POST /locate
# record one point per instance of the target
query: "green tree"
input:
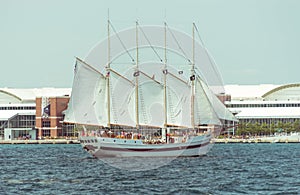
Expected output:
(288, 127)
(264, 129)
(272, 128)
(296, 126)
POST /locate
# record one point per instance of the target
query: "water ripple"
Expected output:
(227, 169)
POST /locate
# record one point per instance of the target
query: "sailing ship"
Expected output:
(151, 105)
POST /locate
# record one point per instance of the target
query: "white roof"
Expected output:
(7, 114)
(267, 112)
(240, 92)
(31, 94)
(261, 102)
(17, 105)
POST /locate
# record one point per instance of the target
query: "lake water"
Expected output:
(227, 169)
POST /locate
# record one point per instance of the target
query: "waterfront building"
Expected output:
(33, 113)
(265, 104)
(38, 113)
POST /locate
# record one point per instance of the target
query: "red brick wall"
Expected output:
(57, 106)
(38, 114)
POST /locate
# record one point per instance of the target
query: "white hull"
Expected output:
(111, 147)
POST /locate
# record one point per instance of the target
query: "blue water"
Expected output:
(227, 169)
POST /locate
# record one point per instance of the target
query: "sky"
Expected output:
(252, 41)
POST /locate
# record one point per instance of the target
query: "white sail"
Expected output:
(150, 101)
(204, 111)
(146, 90)
(219, 107)
(87, 104)
(178, 102)
(121, 89)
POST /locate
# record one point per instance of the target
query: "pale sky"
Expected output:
(252, 41)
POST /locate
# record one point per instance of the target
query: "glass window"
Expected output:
(46, 132)
(46, 123)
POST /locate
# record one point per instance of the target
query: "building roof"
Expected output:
(14, 95)
(7, 114)
(262, 102)
(248, 92)
(284, 92)
(268, 92)
(237, 92)
(266, 112)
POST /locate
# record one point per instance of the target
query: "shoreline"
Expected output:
(255, 140)
(216, 141)
(46, 141)
(276, 139)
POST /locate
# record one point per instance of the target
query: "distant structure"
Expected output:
(33, 113)
(264, 104)
(38, 113)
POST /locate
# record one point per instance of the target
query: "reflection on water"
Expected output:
(137, 163)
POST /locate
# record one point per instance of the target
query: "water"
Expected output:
(227, 169)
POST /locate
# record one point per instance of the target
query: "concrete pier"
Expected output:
(46, 141)
(255, 140)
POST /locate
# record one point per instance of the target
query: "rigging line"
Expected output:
(89, 66)
(212, 62)
(123, 77)
(201, 76)
(176, 77)
(160, 59)
(149, 77)
(178, 44)
(122, 43)
(199, 35)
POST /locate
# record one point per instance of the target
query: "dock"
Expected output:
(254, 140)
(46, 141)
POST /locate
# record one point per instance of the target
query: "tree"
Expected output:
(264, 129)
(272, 128)
(296, 126)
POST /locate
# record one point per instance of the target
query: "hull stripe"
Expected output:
(153, 149)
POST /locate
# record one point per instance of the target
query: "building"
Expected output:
(24, 114)
(38, 113)
(49, 117)
(264, 104)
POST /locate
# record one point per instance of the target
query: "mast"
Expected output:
(192, 78)
(136, 74)
(165, 80)
(108, 69)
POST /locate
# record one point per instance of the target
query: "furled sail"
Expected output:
(88, 103)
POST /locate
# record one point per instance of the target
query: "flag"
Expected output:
(46, 110)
